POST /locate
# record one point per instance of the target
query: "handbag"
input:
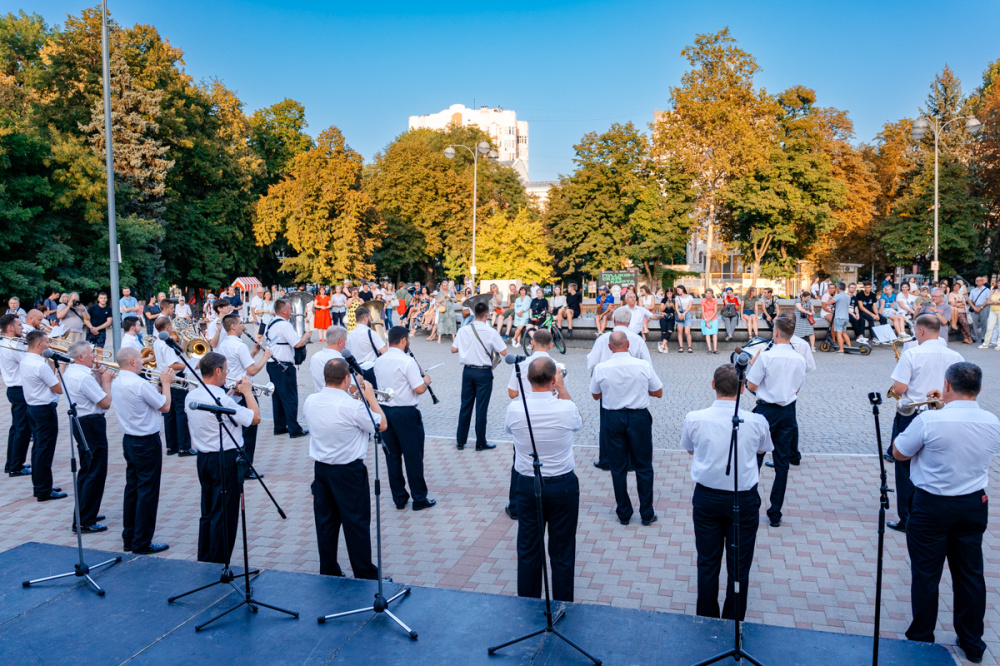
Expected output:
(811, 319)
(729, 310)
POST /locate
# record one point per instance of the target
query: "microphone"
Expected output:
(351, 361)
(215, 409)
(511, 360)
(163, 335)
(53, 355)
(742, 360)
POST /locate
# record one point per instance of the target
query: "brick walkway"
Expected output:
(815, 572)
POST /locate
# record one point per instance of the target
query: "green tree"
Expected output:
(507, 246)
(276, 134)
(323, 213)
(985, 166)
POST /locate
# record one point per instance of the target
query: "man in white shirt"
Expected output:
(41, 393)
(174, 421)
(706, 435)
(182, 310)
(240, 364)
(950, 451)
(404, 437)
(979, 311)
(131, 327)
(475, 345)
(776, 376)
(340, 428)
(282, 339)
(625, 384)
(256, 303)
(601, 352)
(639, 315)
(365, 344)
(554, 419)
(214, 332)
(804, 349)
(92, 400)
(19, 434)
(137, 406)
(219, 472)
(336, 341)
(918, 373)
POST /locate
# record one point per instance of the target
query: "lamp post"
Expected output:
(483, 148)
(920, 127)
(109, 165)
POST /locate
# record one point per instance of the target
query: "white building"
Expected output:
(509, 135)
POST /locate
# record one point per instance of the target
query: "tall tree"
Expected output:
(508, 246)
(323, 213)
(985, 165)
(276, 134)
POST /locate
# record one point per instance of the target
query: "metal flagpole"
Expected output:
(109, 164)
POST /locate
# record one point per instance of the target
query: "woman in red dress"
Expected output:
(321, 319)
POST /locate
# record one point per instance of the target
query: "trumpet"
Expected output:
(257, 389)
(908, 407)
(381, 397)
(561, 367)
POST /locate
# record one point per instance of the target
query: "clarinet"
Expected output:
(434, 398)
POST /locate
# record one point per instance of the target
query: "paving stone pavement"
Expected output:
(816, 571)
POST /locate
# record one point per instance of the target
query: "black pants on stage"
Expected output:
(341, 498)
(143, 465)
(714, 531)
(784, 431)
(44, 422)
(477, 387)
(218, 511)
(93, 468)
(285, 399)
(20, 431)
(904, 487)
(602, 439)
(630, 442)
(512, 492)
(249, 436)
(404, 439)
(175, 423)
(949, 528)
(560, 513)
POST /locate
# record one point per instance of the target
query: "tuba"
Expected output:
(376, 308)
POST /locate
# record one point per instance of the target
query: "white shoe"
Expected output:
(516, 344)
(861, 340)
(985, 345)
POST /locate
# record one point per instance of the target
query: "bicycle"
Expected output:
(548, 324)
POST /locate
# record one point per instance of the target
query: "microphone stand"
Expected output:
(227, 576)
(80, 569)
(549, 627)
(884, 491)
(732, 464)
(381, 604)
(434, 398)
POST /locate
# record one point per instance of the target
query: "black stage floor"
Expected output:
(65, 622)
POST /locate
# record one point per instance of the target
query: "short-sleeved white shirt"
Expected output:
(922, 368)
(779, 373)
(281, 339)
(84, 389)
(624, 382)
(37, 378)
(238, 358)
(10, 364)
(707, 433)
(512, 384)
(397, 371)
(318, 362)
(601, 351)
(339, 427)
(553, 423)
(137, 404)
(204, 426)
(470, 352)
(364, 343)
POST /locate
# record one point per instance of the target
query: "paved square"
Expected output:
(816, 571)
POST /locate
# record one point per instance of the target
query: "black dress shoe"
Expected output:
(485, 447)
(152, 549)
(185, 453)
(127, 547)
(509, 512)
(426, 504)
(888, 458)
(769, 464)
(50, 496)
(400, 507)
(897, 525)
(280, 432)
(91, 529)
(623, 522)
(20, 472)
(795, 461)
(460, 447)
(171, 453)
(649, 522)
(101, 518)
(600, 465)
(302, 433)
(775, 522)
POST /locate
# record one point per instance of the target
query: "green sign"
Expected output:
(620, 278)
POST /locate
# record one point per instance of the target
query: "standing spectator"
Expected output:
(255, 303)
(710, 321)
(446, 324)
(338, 305)
(100, 320)
(991, 325)
(235, 301)
(150, 313)
(51, 305)
(730, 312)
(321, 318)
(840, 307)
(979, 311)
(939, 309)
(667, 320)
(683, 302)
(803, 313)
(265, 313)
(959, 320)
(128, 306)
(867, 310)
(183, 309)
(73, 317)
(14, 308)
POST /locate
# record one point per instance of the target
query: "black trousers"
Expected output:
(44, 422)
(715, 531)
(93, 468)
(175, 423)
(143, 465)
(904, 487)
(20, 431)
(477, 387)
(220, 505)
(285, 399)
(784, 431)
(602, 439)
(512, 492)
(870, 321)
(249, 436)
(858, 325)
(560, 514)
(341, 499)
(630, 442)
(949, 528)
(404, 441)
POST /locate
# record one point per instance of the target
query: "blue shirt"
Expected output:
(604, 301)
(127, 302)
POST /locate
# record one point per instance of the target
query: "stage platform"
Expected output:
(64, 621)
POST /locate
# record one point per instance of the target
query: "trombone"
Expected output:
(907, 407)
(56, 344)
(381, 397)
(149, 374)
(257, 389)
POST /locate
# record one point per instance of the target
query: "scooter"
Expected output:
(828, 345)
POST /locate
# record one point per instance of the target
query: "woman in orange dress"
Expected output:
(322, 320)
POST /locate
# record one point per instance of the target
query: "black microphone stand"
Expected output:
(876, 400)
(434, 398)
(732, 464)
(80, 569)
(227, 576)
(381, 604)
(549, 627)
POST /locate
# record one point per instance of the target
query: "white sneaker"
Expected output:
(861, 340)
(515, 345)
(985, 345)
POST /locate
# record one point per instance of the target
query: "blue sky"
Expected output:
(566, 67)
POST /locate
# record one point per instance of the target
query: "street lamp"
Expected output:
(482, 149)
(920, 127)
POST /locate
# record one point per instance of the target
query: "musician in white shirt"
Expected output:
(340, 428)
(41, 393)
(175, 421)
(706, 435)
(214, 332)
(336, 340)
(131, 328)
(282, 339)
(365, 343)
(19, 435)
(137, 406)
(219, 471)
(475, 345)
(239, 364)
